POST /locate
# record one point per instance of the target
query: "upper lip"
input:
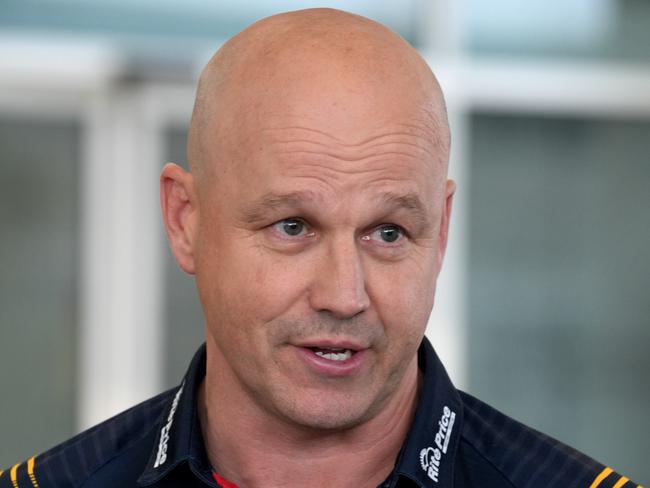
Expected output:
(332, 344)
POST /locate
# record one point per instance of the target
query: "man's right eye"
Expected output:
(291, 228)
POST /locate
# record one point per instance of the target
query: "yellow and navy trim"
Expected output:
(30, 472)
(14, 477)
(21, 475)
(609, 478)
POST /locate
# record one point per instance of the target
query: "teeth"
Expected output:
(335, 356)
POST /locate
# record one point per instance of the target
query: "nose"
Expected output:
(339, 284)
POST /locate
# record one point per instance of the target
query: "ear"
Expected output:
(180, 213)
(450, 189)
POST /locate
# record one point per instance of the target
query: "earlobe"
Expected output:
(179, 209)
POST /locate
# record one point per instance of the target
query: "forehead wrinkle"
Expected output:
(342, 173)
(367, 158)
(422, 121)
(426, 132)
(299, 128)
(362, 150)
(391, 146)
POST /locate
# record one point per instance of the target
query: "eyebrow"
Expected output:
(410, 202)
(271, 202)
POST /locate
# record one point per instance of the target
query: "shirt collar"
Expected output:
(179, 439)
(427, 455)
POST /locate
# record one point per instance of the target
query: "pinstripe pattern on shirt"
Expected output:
(526, 457)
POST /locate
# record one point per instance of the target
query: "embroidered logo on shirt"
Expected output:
(431, 457)
(161, 456)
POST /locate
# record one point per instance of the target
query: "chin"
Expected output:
(333, 415)
(336, 422)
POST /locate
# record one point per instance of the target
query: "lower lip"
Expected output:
(331, 368)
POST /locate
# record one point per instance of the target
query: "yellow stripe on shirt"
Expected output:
(12, 473)
(621, 482)
(30, 472)
(599, 479)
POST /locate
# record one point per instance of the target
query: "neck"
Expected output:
(253, 449)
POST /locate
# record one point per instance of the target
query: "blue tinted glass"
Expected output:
(609, 29)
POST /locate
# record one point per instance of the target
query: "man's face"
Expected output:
(318, 250)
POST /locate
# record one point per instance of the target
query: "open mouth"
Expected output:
(334, 360)
(333, 354)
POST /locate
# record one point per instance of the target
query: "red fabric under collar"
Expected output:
(223, 483)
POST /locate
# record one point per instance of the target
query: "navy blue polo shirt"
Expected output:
(455, 441)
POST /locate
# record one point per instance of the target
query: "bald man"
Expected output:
(315, 220)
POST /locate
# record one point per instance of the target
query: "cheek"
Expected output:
(248, 284)
(403, 295)
(274, 284)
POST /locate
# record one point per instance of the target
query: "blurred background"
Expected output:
(544, 303)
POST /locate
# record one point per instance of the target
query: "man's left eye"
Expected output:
(389, 233)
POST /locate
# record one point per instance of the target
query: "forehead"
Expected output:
(336, 128)
(317, 157)
(395, 150)
(347, 125)
(345, 97)
(349, 113)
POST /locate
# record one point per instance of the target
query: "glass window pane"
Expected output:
(606, 29)
(559, 279)
(39, 254)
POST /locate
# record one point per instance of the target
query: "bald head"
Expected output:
(316, 214)
(311, 62)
